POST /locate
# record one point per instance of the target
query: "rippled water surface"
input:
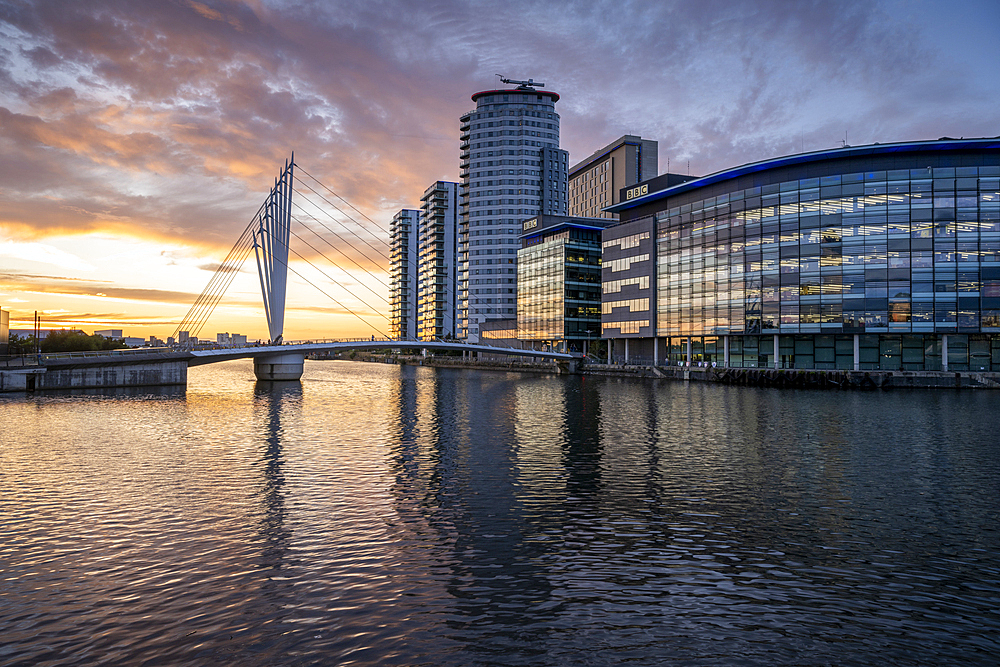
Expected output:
(376, 514)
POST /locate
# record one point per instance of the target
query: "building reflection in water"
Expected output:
(456, 484)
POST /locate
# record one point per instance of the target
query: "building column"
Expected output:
(656, 351)
(777, 352)
(725, 351)
(944, 352)
(626, 351)
(688, 352)
(857, 352)
(611, 349)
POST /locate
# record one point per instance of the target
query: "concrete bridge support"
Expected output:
(286, 366)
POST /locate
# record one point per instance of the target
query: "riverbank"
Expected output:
(512, 364)
(746, 377)
(807, 378)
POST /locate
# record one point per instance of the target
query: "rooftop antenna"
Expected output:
(521, 85)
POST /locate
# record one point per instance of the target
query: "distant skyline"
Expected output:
(137, 139)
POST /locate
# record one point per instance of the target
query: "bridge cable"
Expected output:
(337, 266)
(450, 291)
(207, 306)
(332, 279)
(223, 274)
(351, 232)
(377, 330)
(233, 272)
(221, 277)
(328, 188)
(320, 223)
(349, 217)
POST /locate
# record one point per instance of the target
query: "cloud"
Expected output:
(45, 254)
(171, 119)
(44, 284)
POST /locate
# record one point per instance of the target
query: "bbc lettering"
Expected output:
(637, 191)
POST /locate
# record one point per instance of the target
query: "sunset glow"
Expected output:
(138, 139)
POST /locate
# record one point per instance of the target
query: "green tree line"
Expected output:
(64, 340)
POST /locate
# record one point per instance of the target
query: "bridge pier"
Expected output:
(287, 366)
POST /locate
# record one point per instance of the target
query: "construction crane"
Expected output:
(525, 85)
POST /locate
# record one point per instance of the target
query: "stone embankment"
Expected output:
(499, 364)
(807, 379)
(114, 370)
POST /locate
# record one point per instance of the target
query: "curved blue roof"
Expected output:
(805, 158)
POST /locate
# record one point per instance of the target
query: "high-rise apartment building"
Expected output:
(597, 181)
(437, 272)
(511, 169)
(403, 274)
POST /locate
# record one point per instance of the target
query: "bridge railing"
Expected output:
(405, 342)
(107, 353)
(386, 343)
(324, 341)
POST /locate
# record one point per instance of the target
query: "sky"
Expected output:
(139, 137)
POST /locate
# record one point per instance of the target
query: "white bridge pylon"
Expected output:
(270, 243)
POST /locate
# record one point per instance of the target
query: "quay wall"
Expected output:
(93, 376)
(20, 380)
(807, 379)
(747, 377)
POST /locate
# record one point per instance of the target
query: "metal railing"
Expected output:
(132, 351)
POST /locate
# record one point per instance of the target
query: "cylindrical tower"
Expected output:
(511, 169)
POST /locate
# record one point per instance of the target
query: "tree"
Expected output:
(20, 345)
(66, 340)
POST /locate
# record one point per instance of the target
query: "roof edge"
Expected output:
(508, 91)
(805, 158)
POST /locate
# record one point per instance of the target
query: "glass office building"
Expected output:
(559, 281)
(883, 257)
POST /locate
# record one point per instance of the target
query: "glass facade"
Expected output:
(559, 286)
(888, 261)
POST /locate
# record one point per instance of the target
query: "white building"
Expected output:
(437, 271)
(403, 274)
(111, 334)
(511, 169)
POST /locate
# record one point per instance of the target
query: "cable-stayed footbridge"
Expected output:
(271, 239)
(268, 237)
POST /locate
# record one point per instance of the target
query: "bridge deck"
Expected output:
(200, 357)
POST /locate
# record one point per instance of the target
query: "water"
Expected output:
(376, 514)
